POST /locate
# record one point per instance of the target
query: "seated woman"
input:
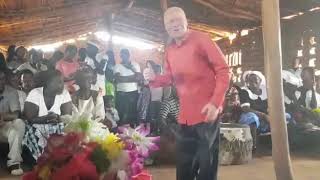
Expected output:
(302, 129)
(308, 99)
(307, 95)
(232, 109)
(86, 100)
(253, 100)
(42, 110)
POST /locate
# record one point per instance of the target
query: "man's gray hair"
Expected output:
(174, 10)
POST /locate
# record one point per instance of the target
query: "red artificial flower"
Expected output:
(79, 167)
(67, 157)
(61, 147)
(32, 175)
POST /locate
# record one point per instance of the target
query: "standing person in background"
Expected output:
(21, 54)
(82, 53)
(111, 60)
(110, 88)
(3, 63)
(69, 66)
(34, 64)
(156, 97)
(11, 53)
(127, 75)
(196, 66)
(56, 57)
(97, 61)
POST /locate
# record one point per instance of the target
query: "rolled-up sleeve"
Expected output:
(166, 78)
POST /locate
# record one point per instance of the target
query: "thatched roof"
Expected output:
(43, 21)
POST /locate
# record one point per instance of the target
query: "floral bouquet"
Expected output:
(87, 150)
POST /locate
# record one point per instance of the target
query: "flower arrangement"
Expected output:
(87, 150)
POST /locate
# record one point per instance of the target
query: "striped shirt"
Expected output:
(169, 109)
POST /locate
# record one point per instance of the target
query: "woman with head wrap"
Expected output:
(253, 100)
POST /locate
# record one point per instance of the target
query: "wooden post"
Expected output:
(164, 5)
(273, 64)
(109, 24)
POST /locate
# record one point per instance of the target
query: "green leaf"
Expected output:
(100, 160)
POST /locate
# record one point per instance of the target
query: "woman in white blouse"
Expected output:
(43, 108)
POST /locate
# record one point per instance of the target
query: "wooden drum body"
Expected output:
(235, 144)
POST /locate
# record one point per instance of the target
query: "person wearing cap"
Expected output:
(197, 67)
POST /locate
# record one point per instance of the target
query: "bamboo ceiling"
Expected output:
(30, 22)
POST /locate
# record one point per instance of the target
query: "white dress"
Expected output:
(94, 109)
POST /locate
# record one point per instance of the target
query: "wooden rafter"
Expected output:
(239, 14)
(164, 5)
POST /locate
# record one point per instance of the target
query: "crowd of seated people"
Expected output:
(38, 93)
(249, 104)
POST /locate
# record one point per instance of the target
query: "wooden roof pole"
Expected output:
(273, 64)
(164, 5)
(110, 29)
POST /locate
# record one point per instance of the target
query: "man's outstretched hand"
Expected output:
(211, 112)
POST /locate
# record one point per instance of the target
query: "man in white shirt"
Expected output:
(98, 62)
(127, 76)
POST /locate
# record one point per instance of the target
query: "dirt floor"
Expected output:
(261, 168)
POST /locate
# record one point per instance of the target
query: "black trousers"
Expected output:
(153, 115)
(198, 151)
(126, 104)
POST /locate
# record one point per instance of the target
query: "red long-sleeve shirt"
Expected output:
(199, 71)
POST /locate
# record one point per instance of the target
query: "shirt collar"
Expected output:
(184, 40)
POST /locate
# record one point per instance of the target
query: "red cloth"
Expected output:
(199, 72)
(144, 175)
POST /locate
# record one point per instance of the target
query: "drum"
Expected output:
(235, 144)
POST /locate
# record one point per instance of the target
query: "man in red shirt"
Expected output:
(196, 66)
